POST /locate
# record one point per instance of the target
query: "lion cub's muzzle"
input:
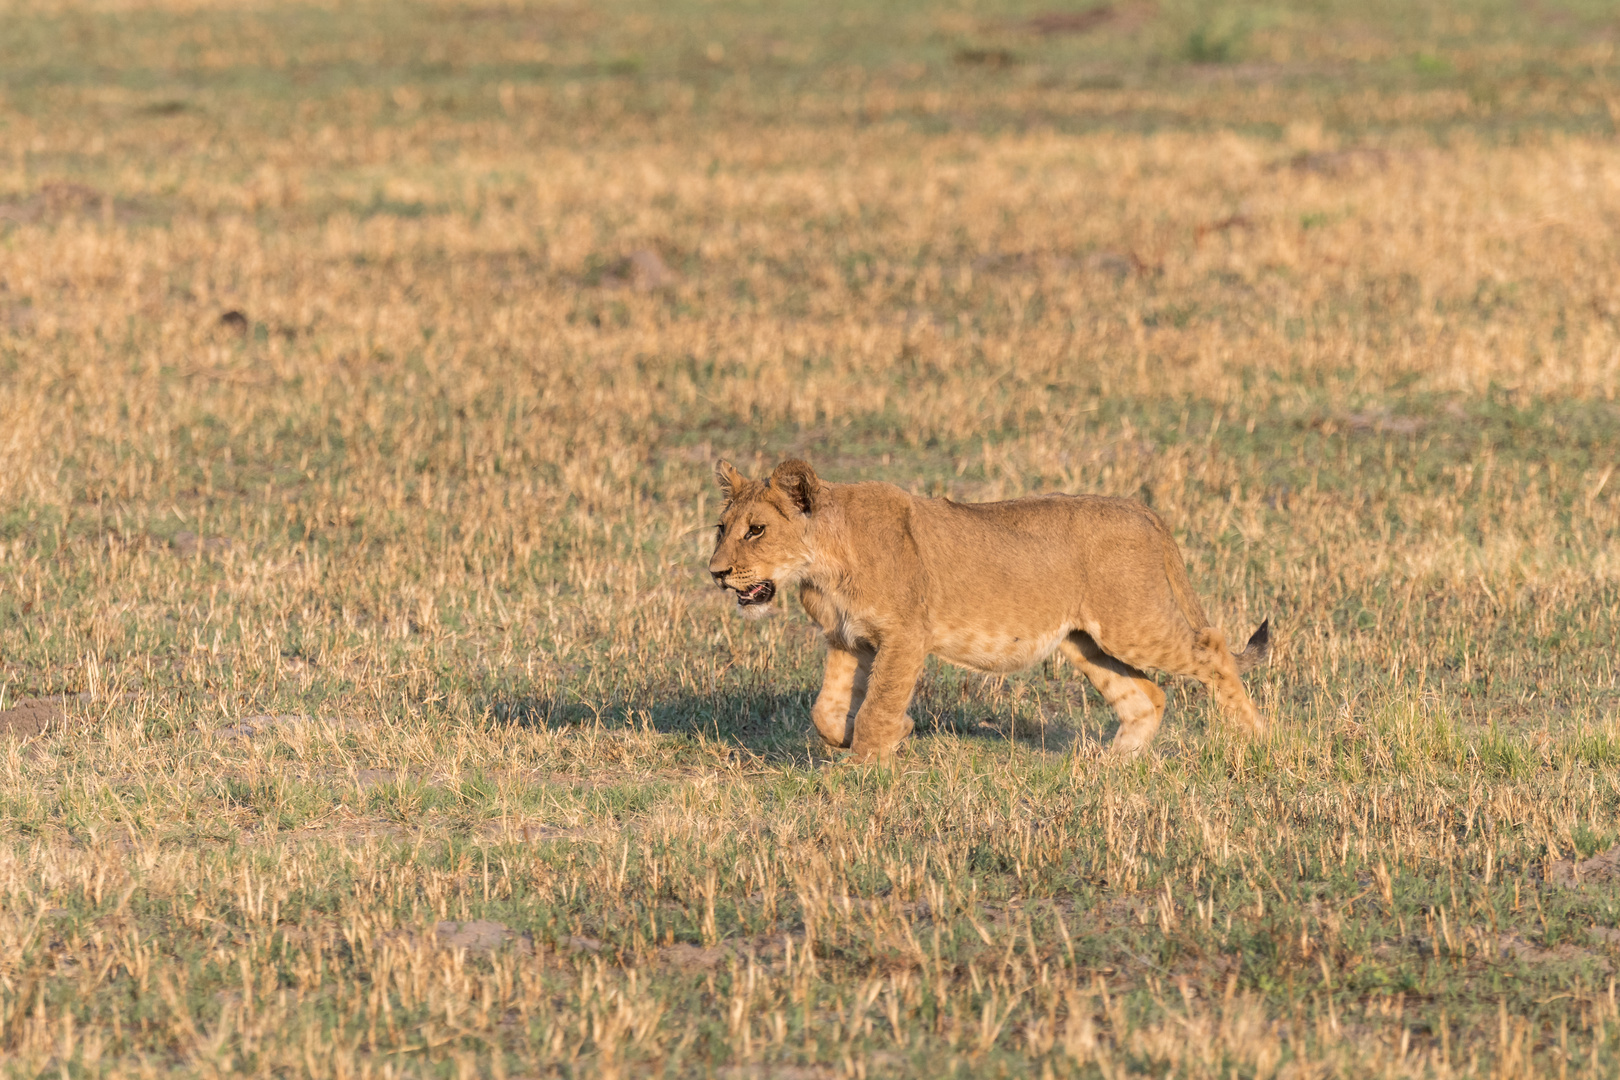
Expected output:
(760, 592)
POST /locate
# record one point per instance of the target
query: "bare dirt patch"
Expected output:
(35, 716)
(188, 544)
(250, 727)
(1516, 946)
(1129, 16)
(480, 935)
(643, 270)
(53, 200)
(775, 1072)
(1602, 868)
(694, 957)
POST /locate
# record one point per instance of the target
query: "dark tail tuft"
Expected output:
(1258, 650)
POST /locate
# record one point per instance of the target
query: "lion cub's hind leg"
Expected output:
(1134, 697)
(1214, 665)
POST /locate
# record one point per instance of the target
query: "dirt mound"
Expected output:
(35, 716)
(694, 957)
(1603, 868)
(487, 935)
(479, 935)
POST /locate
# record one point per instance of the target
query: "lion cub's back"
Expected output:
(1039, 527)
(1038, 546)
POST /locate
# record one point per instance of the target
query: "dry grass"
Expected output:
(361, 374)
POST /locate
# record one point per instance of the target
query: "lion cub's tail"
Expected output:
(1257, 651)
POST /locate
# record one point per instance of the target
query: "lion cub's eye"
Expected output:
(753, 531)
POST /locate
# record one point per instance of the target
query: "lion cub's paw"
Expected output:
(1127, 749)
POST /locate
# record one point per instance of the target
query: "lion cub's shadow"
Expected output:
(1042, 710)
(1050, 711)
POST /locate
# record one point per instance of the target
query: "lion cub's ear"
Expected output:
(728, 478)
(799, 482)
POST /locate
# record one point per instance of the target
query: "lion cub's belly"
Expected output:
(995, 650)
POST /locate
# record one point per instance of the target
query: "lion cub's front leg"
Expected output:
(881, 721)
(843, 688)
(843, 698)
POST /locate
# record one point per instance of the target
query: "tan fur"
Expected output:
(892, 578)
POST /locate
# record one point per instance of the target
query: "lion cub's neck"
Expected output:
(828, 590)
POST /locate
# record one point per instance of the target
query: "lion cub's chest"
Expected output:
(843, 627)
(994, 649)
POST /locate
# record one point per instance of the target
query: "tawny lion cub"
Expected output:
(891, 578)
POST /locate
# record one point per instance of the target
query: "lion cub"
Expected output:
(892, 577)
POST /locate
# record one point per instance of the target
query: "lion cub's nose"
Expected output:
(720, 575)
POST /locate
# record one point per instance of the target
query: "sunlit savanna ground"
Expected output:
(362, 371)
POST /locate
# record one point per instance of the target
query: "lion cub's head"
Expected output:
(761, 543)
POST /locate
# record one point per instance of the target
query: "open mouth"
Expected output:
(759, 593)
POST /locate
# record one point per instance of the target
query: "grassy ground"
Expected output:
(366, 710)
